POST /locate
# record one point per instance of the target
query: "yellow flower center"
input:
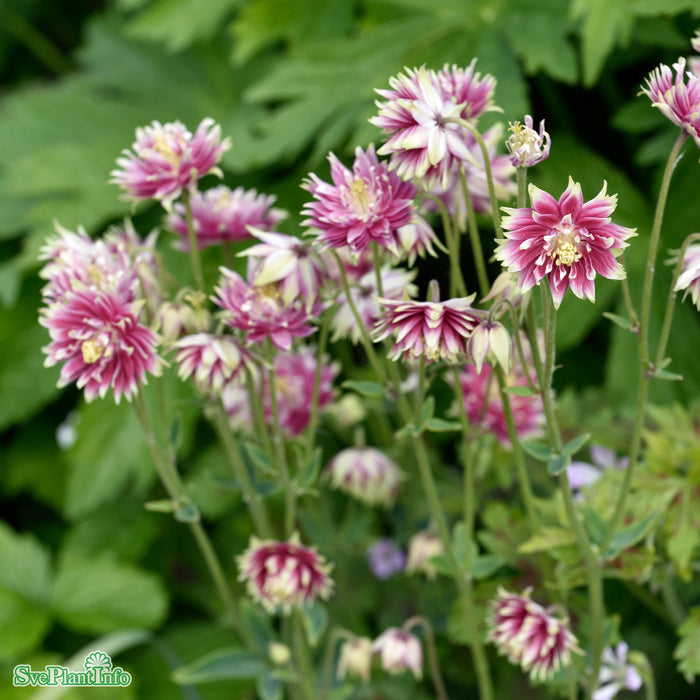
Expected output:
(163, 146)
(361, 198)
(92, 351)
(564, 248)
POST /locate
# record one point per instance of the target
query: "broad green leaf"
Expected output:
(223, 664)
(538, 450)
(595, 525)
(23, 624)
(546, 539)
(575, 444)
(439, 425)
(315, 618)
(269, 687)
(100, 595)
(258, 625)
(486, 565)
(687, 653)
(180, 23)
(630, 535)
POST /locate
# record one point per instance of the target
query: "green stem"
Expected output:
(643, 374)
(477, 251)
(364, 336)
(314, 414)
(251, 497)
(672, 602)
(435, 674)
(627, 297)
(195, 259)
(334, 637)
(255, 395)
(176, 491)
(279, 451)
(302, 658)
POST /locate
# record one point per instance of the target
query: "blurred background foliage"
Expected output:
(288, 80)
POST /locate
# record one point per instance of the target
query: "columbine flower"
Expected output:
(566, 241)
(396, 283)
(365, 473)
(288, 262)
(616, 674)
(168, 159)
(483, 401)
(526, 146)
(422, 547)
(416, 238)
(433, 330)
(418, 115)
(220, 214)
(468, 89)
(490, 340)
(260, 311)
(677, 100)
(385, 558)
(284, 575)
(211, 360)
(400, 651)
(363, 205)
(689, 279)
(355, 658)
(530, 635)
(99, 338)
(451, 190)
(582, 474)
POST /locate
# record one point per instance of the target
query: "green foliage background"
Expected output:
(288, 80)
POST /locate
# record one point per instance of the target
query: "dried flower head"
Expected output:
(166, 159)
(568, 241)
(284, 575)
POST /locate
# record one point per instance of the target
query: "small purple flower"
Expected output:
(584, 474)
(385, 558)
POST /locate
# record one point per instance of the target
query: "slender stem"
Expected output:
(435, 674)
(195, 260)
(254, 394)
(672, 602)
(302, 657)
(314, 413)
(176, 490)
(334, 637)
(364, 336)
(477, 251)
(627, 297)
(279, 451)
(643, 382)
(521, 178)
(668, 316)
(377, 260)
(250, 495)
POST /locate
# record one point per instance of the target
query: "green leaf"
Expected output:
(620, 321)
(258, 625)
(223, 664)
(546, 539)
(186, 511)
(486, 565)
(558, 463)
(538, 450)
(369, 389)
(165, 505)
(575, 444)
(667, 376)
(315, 619)
(269, 687)
(310, 471)
(687, 653)
(427, 409)
(628, 536)
(683, 534)
(595, 525)
(258, 457)
(99, 595)
(439, 425)
(22, 624)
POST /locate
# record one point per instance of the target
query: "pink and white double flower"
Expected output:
(568, 241)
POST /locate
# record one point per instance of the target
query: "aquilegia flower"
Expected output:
(363, 205)
(419, 116)
(365, 473)
(677, 99)
(526, 146)
(399, 651)
(422, 547)
(98, 337)
(582, 474)
(689, 279)
(616, 674)
(355, 658)
(530, 636)
(385, 558)
(220, 214)
(284, 575)
(433, 330)
(289, 262)
(260, 311)
(567, 241)
(211, 360)
(167, 159)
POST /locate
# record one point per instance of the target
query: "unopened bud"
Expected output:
(525, 145)
(280, 654)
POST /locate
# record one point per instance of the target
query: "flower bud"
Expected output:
(421, 549)
(400, 651)
(355, 658)
(525, 145)
(280, 654)
(490, 341)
